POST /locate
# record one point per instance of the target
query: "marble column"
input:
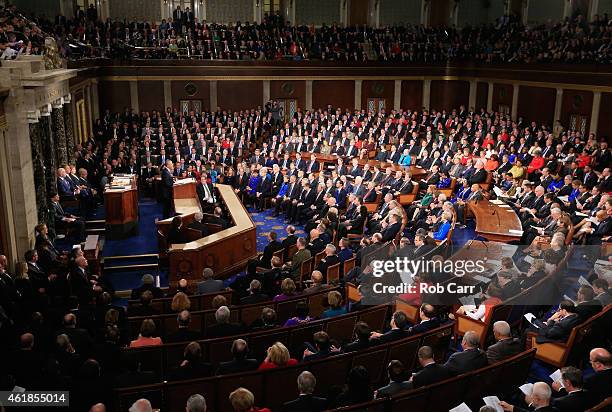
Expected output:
(59, 131)
(426, 93)
(595, 112)
(69, 130)
(38, 164)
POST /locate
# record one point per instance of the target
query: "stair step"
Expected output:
(146, 266)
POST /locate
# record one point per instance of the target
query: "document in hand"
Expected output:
(493, 401)
(530, 317)
(582, 281)
(556, 377)
(526, 388)
(461, 408)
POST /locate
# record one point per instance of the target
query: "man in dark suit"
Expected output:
(240, 362)
(265, 259)
(62, 218)
(81, 285)
(209, 284)
(166, 188)
(306, 402)
(470, 359)
(576, 398)
(205, 193)
(264, 188)
(587, 305)
(508, 286)
(599, 384)
(392, 229)
(145, 308)
(290, 240)
(330, 259)
(147, 284)
(397, 380)
(431, 372)
(506, 345)
(429, 321)
(559, 326)
(183, 333)
(79, 337)
(539, 400)
(399, 321)
(223, 327)
(362, 334)
(321, 349)
(255, 294)
(197, 224)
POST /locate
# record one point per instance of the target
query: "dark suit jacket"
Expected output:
(157, 292)
(557, 331)
(503, 349)
(259, 297)
(431, 373)
(305, 403)
(599, 385)
(209, 286)
(392, 388)
(266, 258)
(166, 184)
(466, 361)
(220, 330)
(390, 336)
(391, 231)
(237, 365)
(356, 345)
(199, 226)
(424, 326)
(183, 335)
(575, 401)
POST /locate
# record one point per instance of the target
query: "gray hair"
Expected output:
(222, 315)
(208, 273)
(331, 247)
(541, 390)
(502, 327)
(196, 403)
(198, 216)
(141, 405)
(306, 383)
(147, 279)
(471, 338)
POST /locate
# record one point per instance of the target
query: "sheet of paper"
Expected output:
(526, 388)
(461, 408)
(496, 202)
(570, 299)
(493, 401)
(481, 279)
(506, 207)
(530, 317)
(528, 259)
(582, 281)
(556, 377)
(580, 214)
(563, 198)
(515, 232)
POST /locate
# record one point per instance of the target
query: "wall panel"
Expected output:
(482, 94)
(477, 12)
(449, 94)
(147, 10)
(537, 103)
(604, 128)
(399, 12)
(338, 93)
(382, 89)
(502, 95)
(184, 90)
(114, 95)
(239, 94)
(576, 102)
(151, 95)
(541, 11)
(290, 89)
(227, 11)
(317, 12)
(412, 95)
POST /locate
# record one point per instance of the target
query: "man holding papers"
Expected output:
(539, 400)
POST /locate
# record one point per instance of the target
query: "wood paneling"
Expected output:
(338, 93)
(502, 95)
(239, 94)
(358, 12)
(449, 94)
(382, 89)
(289, 89)
(151, 95)
(439, 13)
(604, 128)
(482, 93)
(412, 95)
(114, 95)
(202, 92)
(536, 103)
(576, 102)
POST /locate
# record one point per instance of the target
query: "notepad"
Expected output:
(526, 388)
(493, 401)
(556, 377)
(461, 408)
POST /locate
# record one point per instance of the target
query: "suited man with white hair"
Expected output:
(538, 400)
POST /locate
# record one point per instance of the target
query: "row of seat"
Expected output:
(161, 359)
(198, 302)
(246, 314)
(274, 387)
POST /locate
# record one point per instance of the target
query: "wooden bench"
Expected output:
(274, 387)
(560, 354)
(198, 302)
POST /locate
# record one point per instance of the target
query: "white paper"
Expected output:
(515, 232)
(481, 279)
(506, 207)
(526, 388)
(563, 198)
(528, 259)
(461, 408)
(580, 214)
(499, 192)
(570, 299)
(582, 281)
(493, 401)
(556, 377)
(496, 202)
(530, 317)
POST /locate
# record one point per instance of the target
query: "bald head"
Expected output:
(540, 394)
(3, 262)
(98, 407)
(141, 405)
(600, 359)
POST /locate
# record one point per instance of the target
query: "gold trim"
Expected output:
(143, 266)
(568, 86)
(132, 256)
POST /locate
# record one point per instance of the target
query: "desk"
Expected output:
(495, 222)
(225, 252)
(121, 205)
